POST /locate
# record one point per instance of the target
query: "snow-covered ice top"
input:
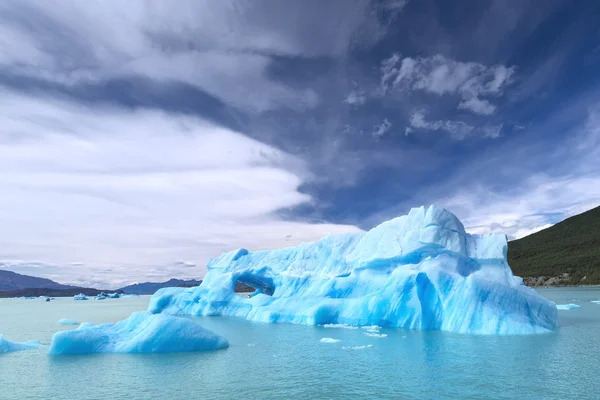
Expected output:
(6, 346)
(418, 271)
(80, 296)
(142, 332)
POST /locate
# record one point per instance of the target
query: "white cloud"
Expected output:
(357, 98)
(222, 47)
(381, 129)
(443, 76)
(135, 190)
(492, 131)
(537, 201)
(457, 129)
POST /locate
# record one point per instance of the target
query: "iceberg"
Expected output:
(142, 332)
(567, 306)
(329, 340)
(80, 296)
(66, 321)
(6, 346)
(420, 271)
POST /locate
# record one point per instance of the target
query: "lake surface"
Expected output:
(288, 361)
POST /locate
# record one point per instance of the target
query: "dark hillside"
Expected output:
(570, 247)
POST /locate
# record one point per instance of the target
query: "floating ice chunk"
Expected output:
(101, 297)
(421, 271)
(6, 346)
(66, 321)
(80, 296)
(329, 340)
(375, 335)
(596, 301)
(567, 306)
(142, 332)
(251, 344)
(357, 347)
(343, 326)
(374, 328)
(113, 295)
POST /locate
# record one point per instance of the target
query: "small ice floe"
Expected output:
(357, 347)
(567, 306)
(80, 296)
(340, 326)
(251, 344)
(375, 335)
(329, 340)
(66, 321)
(6, 346)
(596, 301)
(372, 328)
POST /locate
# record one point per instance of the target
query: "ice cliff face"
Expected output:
(418, 271)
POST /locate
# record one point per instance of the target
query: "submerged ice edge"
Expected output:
(6, 346)
(421, 271)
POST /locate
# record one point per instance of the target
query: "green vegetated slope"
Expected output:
(571, 246)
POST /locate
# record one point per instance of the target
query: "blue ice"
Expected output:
(420, 271)
(80, 296)
(6, 346)
(66, 321)
(142, 332)
(567, 306)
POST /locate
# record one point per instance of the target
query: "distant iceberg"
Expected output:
(329, 340)
(421, 271)
(6, 346)
(66, 321)
(142, 332)
(80, 296)
(567, 306)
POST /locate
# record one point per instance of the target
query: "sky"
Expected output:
(139, 139)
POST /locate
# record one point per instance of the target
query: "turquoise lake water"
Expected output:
(285, 361)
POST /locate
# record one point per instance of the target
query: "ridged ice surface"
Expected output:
(418, 271)
(142, 332)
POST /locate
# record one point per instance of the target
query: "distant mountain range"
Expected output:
(12, 281)
(152, 287)
(17, 285)
(567, 253)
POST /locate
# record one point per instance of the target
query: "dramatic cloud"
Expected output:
(121, 188)
(224, 48)
(443, 76)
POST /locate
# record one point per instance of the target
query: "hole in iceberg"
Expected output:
(262, 284)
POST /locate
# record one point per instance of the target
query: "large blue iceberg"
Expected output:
(6, 346)
(142, 332)
(418, 271)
